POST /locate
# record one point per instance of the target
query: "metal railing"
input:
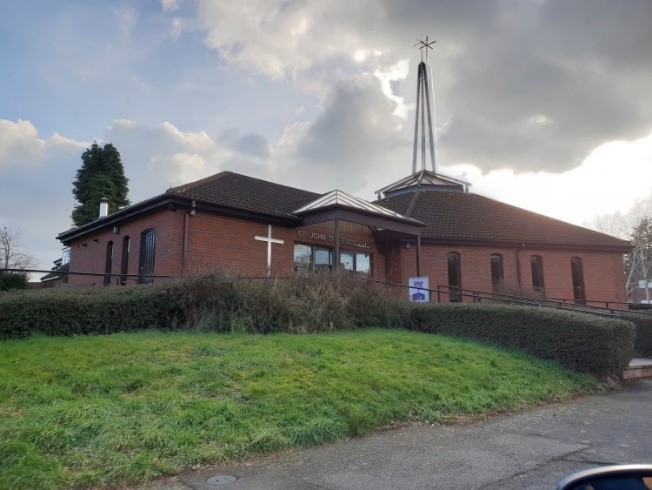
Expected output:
(442, 294)
(611, 308)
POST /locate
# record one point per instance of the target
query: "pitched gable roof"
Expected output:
(225, 192)
(466, 218)
(246, 193)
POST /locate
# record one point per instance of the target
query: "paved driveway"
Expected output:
(533, 449)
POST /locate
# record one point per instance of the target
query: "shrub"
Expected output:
(81, 311)
(320, 302)
(11, 280)
(643, 323)
(580, 342)
(639, 306)
(211, 301)
(305, 303)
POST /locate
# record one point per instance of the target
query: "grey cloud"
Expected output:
(355, 135)
(250, 144)
(583, 65)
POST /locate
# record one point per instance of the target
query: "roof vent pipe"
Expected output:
(104, 207)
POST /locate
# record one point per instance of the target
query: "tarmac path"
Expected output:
(531, 449)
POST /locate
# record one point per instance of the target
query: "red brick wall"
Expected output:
(88, 254)
(212, 241)
(604, 278)
(226, 242)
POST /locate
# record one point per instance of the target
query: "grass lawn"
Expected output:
(100, 410)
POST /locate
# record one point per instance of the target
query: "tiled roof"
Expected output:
(245, 193)
(467, 217)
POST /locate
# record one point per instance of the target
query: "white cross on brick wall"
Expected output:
(269, 241)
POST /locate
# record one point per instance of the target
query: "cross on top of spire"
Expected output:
(425, 44)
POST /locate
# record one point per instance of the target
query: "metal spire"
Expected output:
(424, 106)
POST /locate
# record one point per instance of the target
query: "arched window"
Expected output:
(454, 277)
(108, 263)
(147, 255)
(497, 273)
(124, 263)
(577, 271)
(537, 273)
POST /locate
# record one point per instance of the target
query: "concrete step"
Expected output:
(638, 368)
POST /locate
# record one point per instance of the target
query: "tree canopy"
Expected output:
(100, 176)
(638, 263)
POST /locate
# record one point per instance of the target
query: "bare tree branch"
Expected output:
(11, 254)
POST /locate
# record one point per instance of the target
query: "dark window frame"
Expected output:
(454, 277)
(577, 276)
(497, 272)
(108, 263)
(124, 262)
(538, 280)
(147, 256)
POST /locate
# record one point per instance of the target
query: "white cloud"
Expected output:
(610, 180)
(170, 5)
(283, 38)
(179, 168)
(21, 146)
(399, 71)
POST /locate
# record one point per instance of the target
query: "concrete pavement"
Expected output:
(533, 449)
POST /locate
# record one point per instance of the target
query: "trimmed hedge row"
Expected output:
(81, 311)
(313, 303)
(581, 342)
(643, 323)
(11, 280)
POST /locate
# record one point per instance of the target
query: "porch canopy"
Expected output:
(339, 206)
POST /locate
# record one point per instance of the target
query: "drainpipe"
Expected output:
(418, 255)
(186, 225)
(518, 266)
(336, 254)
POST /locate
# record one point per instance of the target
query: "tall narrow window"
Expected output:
(577, 271)
(124, 263)
(497, 273)
(147, 254)
(108, 263)
(537, 273)
(454, 277)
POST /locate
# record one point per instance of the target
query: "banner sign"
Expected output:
(419, 289)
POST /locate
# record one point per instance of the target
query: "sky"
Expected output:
(544, 104)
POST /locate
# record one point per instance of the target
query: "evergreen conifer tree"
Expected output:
(101, 175)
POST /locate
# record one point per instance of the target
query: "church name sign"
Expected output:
(322, 237)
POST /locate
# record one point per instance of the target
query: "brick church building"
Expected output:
(425, 225)
(428, 225)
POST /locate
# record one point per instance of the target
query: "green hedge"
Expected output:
(216, 302)
(643, 323)
(82, 311)
(580, 342)
(11, 280)
(211, 301)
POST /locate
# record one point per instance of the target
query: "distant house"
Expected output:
(643, 293)
(58, 276)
